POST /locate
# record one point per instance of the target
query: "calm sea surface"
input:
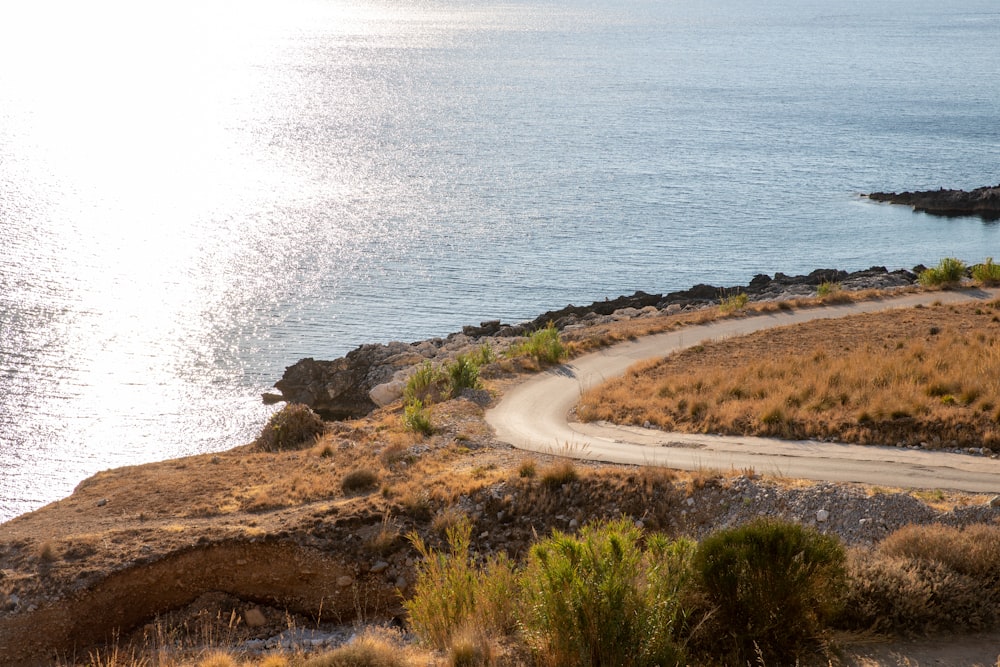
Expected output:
(194, 195)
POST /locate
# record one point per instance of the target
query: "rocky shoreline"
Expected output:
(982, 202)
(374, 375)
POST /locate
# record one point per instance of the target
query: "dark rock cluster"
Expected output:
(981, 202)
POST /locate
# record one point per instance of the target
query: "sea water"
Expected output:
(194, 195)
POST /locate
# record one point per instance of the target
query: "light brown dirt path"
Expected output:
(535, 416)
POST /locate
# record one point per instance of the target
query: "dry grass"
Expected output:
(600, 336)
(931, 376)
(927, 579)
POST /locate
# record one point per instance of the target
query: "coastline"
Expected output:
(172, 531)
(373, 375)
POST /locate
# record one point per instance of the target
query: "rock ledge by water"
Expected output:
(375, 374)
(982, 202)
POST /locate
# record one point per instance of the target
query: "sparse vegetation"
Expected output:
(558, 473)
(359, 480)
(425, 385)
(463, 373)
(545, 346)
(291, 427)
(452, 594)
(948, 273)
(827, 289)
(987, 273)
(934, 388)
(730, 303)
(416, 418)
(367, 650)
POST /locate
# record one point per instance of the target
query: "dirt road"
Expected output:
(536, 416)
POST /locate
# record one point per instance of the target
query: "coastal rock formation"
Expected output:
(982, 202)
(339, 389)
(374, 375)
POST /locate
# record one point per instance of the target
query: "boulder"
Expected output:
(340, 389)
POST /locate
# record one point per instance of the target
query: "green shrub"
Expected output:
(947, 273)
(729, 303)
(544, 345)
(774, 585)
(416, 418)
(451, 595)
(601, 600)
(361, 479)
(827, 288)
(425, 385)
(463, 373)
(987, 273)
(290, 427)
(483, 355)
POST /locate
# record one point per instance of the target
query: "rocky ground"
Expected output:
(981, 202)
(264, 550)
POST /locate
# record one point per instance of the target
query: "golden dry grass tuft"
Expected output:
(933, 377)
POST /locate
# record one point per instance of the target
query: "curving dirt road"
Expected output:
(535, 416)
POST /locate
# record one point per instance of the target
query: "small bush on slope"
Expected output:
(290, 427)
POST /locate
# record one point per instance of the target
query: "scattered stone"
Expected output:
(254, 617)
(343, 581)
(378, 567)
(102, 502)
(822, 516)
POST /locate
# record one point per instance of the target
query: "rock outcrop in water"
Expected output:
(375, 374)
(982, 202)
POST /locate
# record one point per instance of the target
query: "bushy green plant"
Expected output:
(948, 272)
(828, 289)
(416, 417)
(483, 355)
(987, 273)
(544, 345)
(601, 600)
(462, 373)
(452, 594)
(426, 384)
(729, 303)
(774, 585)
(290, 427)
